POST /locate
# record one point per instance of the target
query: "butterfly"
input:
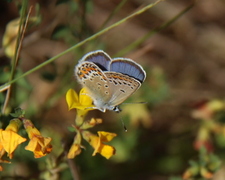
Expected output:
(109, 82)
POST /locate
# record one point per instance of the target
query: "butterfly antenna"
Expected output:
(124, 126)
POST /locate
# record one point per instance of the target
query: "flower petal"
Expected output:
(83, 102)
(9, 38)
(72, 99)
(84, 98)
(40, 146)
(90, 124)
(10, 140)
(75, 150)
(106, 136)
(105, 150)
(96, 142)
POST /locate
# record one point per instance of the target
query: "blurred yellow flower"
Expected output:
(9, 139)
(75, 149)
(82, 102)
(206, 110)
(140, 115)
(91, 123)
(9, 38)
(38, 144)
(97, 142)
(206, 173)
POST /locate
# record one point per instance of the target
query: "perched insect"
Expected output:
(109, 82)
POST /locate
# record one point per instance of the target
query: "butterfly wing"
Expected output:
(100, 58)
(109, 82)
(128, 67)
(121, 87)
(95, 81)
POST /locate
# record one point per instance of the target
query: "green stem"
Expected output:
(21, 31)
(118, 7)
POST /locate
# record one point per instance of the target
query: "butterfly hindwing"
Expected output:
(121, 87)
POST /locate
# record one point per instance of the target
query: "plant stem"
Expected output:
(21, 32)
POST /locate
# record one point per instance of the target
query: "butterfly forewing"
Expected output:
(100, 58)
(128, 67)
(94, 80)
(121, 87)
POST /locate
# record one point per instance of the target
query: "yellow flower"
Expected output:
(9, 139)
(97, 142)
(38, 144)
(91, 123)
(75, 149)
(9, 38)
(82, 102)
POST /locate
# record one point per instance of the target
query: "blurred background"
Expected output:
(181, 46)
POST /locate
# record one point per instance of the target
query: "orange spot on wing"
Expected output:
(86, 70)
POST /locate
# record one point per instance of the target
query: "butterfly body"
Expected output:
(109, 82)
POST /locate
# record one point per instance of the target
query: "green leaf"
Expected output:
(18, 113)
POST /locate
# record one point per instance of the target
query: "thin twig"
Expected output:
(118, 7)
(22, 35)
(5, 88)
(73, 169)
